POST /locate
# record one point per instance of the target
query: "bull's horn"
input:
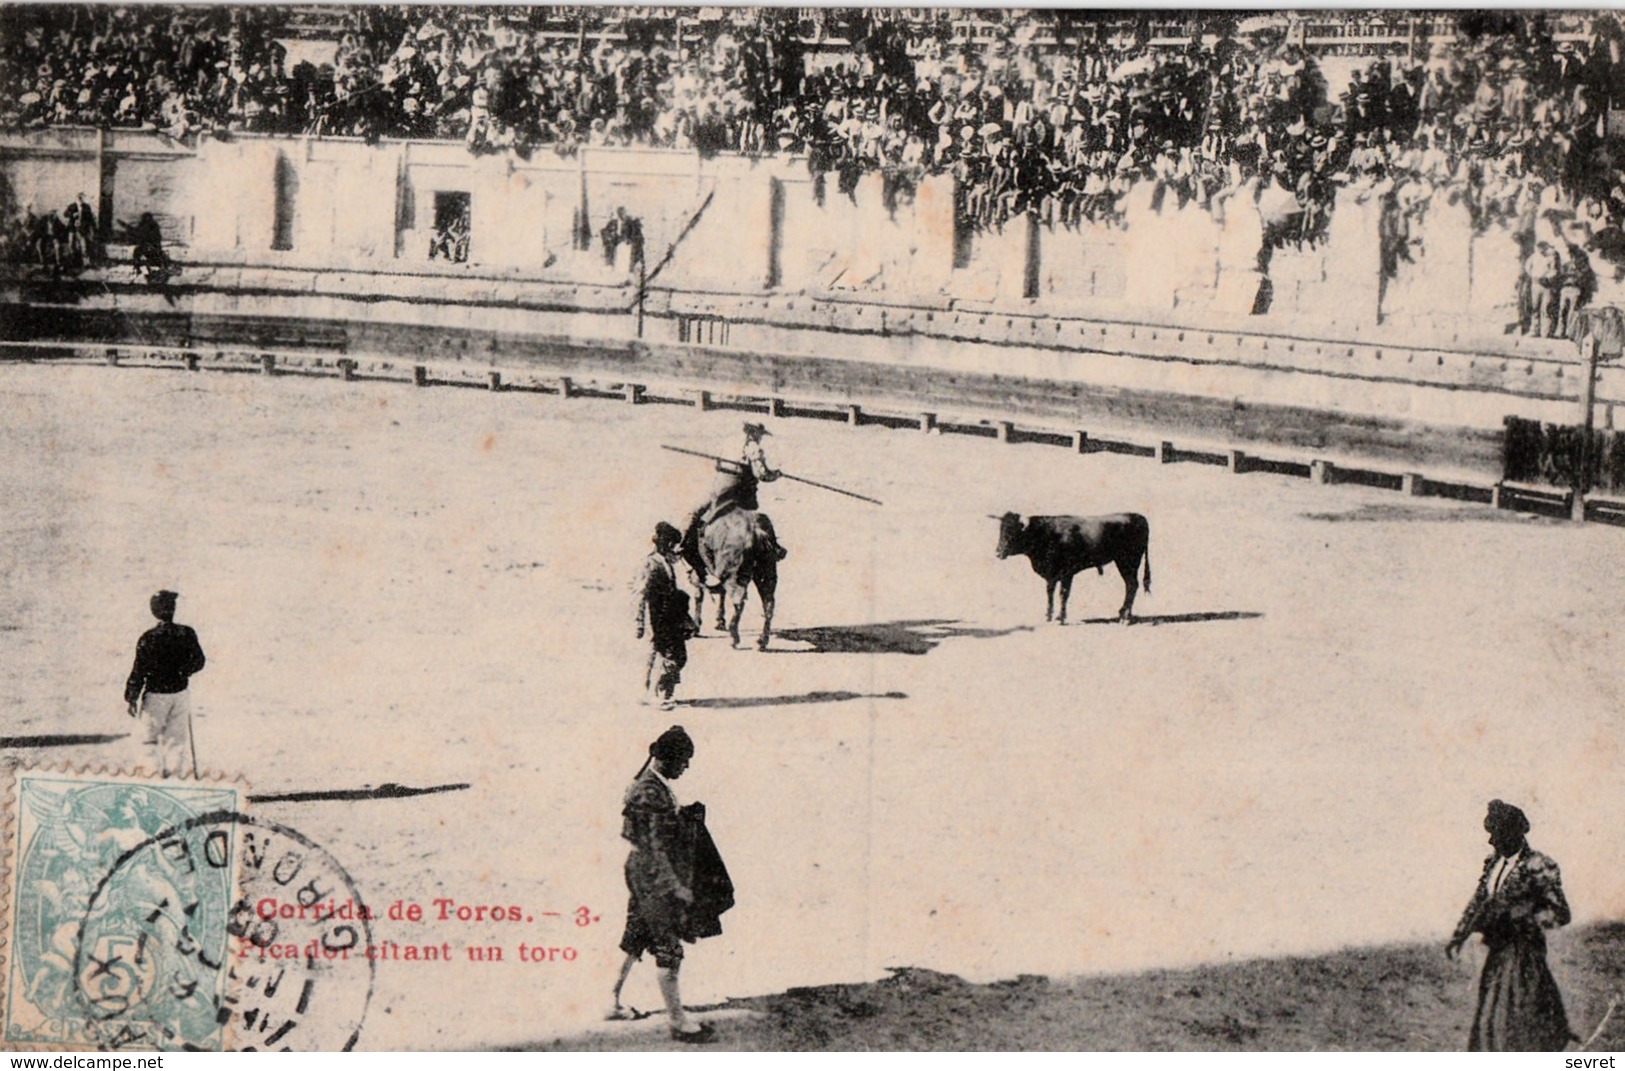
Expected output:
(991, 517)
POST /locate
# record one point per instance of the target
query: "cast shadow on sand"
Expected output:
(60, 739)
(1178, 619)
(741, 702)
(891, 637)
(387, 791)
(1532, 512)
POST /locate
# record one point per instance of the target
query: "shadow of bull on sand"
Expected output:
(891, 637)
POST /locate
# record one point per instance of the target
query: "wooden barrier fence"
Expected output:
(1551, 454)
(1524, 492)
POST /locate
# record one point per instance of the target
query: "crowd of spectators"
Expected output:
(177, 70)
(62, 241)
(420, 72)
(500, 88)
(67, 241)
(1502, 119)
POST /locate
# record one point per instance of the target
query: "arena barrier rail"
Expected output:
(1498, 494)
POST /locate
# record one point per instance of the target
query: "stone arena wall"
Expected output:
(755, 280)
(743, 225)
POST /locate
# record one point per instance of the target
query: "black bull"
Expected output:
(1061, 547)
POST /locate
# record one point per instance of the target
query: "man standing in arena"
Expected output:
(663, 615)
(166, 657)
(659, 877)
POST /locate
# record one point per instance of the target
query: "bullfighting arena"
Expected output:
(1290, 752)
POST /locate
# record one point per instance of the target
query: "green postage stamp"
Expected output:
(117, 905)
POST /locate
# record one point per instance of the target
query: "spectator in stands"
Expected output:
(148, 239)
(631, 231)
(1541, 271)
(36, 231)
(89, 236)
(1576, 283)
(72, 249)
(54, 241)
(451, 240)
(610, 236)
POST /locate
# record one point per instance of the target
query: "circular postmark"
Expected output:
(171, 956)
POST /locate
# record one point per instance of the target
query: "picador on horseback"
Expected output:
(734, 489)
(730, 544)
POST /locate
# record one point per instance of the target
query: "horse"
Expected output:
(737, 550)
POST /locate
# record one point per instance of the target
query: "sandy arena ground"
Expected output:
(1290, 753)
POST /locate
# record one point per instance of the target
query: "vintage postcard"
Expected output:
(811, 528)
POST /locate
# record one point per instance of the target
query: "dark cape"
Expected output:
(707, 876)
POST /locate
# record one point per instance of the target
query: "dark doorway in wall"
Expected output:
(775, 235)
(964, 234)
(452, 216)
(104, 199)
(287, 197)
(1032, 278)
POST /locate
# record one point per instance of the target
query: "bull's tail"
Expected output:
(1146, 582)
